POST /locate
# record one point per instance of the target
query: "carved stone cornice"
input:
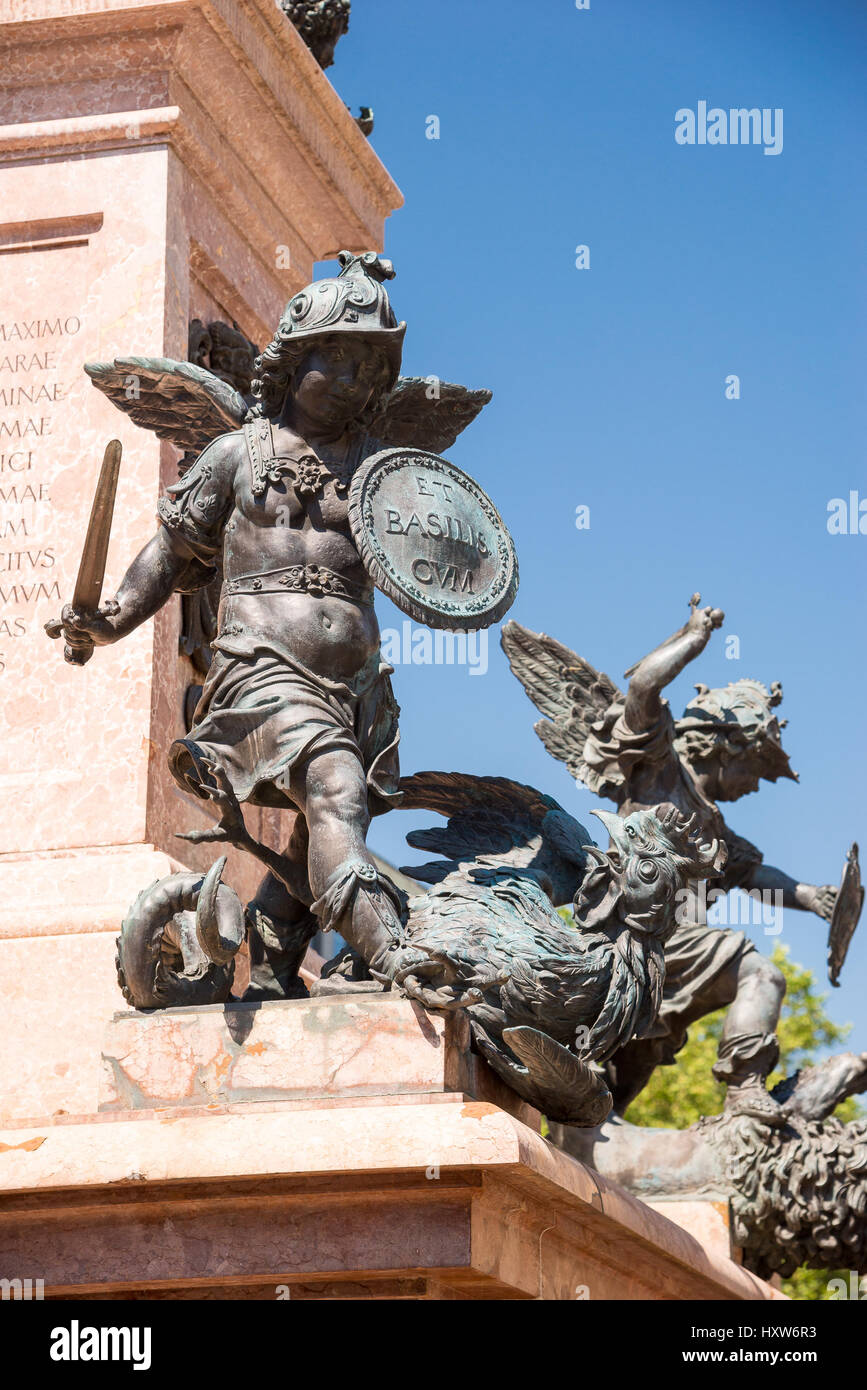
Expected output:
(228, 83)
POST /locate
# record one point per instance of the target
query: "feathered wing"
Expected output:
(494, 816)
(454, 793)
(426, 413)
(570, 692)
(178, 401)
(190, 406)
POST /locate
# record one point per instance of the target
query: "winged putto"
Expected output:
(628, 747)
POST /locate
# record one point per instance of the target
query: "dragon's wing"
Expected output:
(493, 816)
(568, 691)
(426, 413)
(461, 793)
(177, 400)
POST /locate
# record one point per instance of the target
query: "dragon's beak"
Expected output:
(614, 825)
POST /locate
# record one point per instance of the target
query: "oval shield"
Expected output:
(431, 540)
(846, 914)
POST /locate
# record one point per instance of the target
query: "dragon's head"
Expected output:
(653, 856)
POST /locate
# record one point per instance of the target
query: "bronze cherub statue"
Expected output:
(630, 748)
(297, 709)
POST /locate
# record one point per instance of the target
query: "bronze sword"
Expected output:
(78, 647)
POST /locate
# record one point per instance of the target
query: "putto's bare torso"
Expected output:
(285, 527)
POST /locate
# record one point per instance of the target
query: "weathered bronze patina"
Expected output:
(629, 747)
(297, 709)
(846, 914)
(432, 540)
(78, 647)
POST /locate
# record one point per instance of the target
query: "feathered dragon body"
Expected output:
(548, 1001)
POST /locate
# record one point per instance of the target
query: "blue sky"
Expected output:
(557, 129)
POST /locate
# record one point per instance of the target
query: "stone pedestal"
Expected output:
(335, 1048)
(159, 162)
(325, 1149)
(708, 1220)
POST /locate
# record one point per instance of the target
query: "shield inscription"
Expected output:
(432, 540)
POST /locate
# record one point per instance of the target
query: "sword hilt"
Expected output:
(77, 647)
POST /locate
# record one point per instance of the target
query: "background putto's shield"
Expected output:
(844, 918)
(431, 540)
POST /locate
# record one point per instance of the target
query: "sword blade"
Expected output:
(91, 571)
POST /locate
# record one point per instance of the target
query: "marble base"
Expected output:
(709, 1221)
(159, 162)
(439, 1198)
(298, 1051)
(346, 1147)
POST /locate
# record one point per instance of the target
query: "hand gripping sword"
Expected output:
(78, 647)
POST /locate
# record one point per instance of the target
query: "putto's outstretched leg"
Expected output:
(749, 1050)
(331, 791)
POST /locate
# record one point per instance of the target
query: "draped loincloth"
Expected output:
(262, 713)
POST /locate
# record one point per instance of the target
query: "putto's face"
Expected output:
(738, 777)
(336, 380)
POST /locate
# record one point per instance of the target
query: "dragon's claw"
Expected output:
(219, 834)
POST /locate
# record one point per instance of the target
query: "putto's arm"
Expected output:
(654, 672)
(809, 897)
(180, 556)
(147, 585)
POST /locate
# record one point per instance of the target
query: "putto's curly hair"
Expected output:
(800, 1191)
(275, 370)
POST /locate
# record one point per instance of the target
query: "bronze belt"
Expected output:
(299, 579)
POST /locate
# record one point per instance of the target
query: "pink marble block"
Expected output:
(373, 1045)
(707, 1220)
(159, 161)
(452, 1200)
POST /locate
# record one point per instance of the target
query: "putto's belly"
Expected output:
(332, 637)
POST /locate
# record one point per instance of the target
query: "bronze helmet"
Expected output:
(355, 301)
